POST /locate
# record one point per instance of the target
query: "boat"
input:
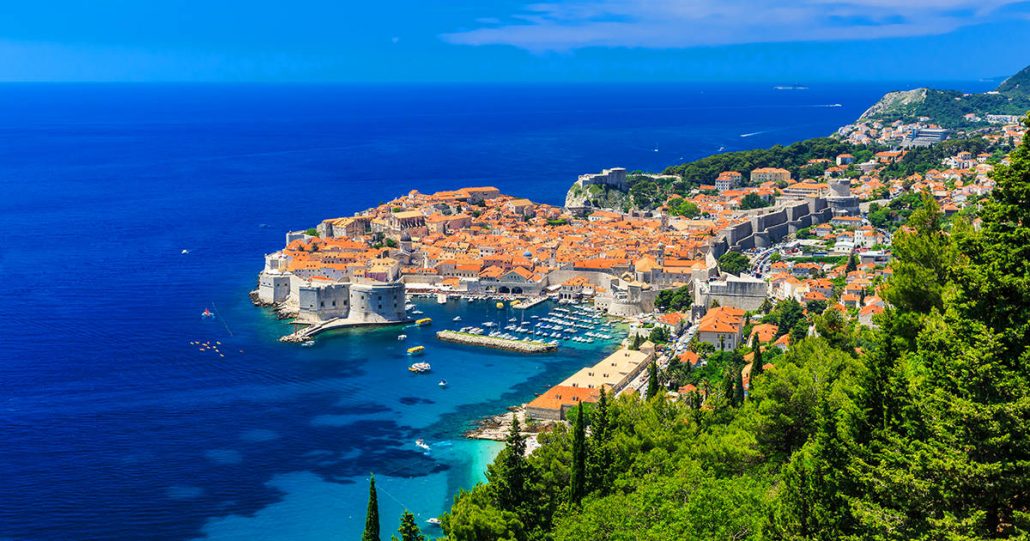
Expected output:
(419, 368)
(441, 298)
(207, 313)
(500, 305)
(417, 350)
(424, 321)
(433, 520)
(442, 383)
(402, 337)
(421, 443)
(185, 251)
(307, 344)
(456, 318)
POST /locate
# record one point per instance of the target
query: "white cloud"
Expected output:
(692, 23)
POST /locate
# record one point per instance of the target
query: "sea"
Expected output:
(114, 424)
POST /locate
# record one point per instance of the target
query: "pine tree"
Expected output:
(579, 456)
(509, 474)
(652, 380)
(756, 363)
(409, 530)
(600, 470)
(372, 515)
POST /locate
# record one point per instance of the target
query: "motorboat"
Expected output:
(424, 321)
(421, 443)
(456, 318)
(419, 368)
(433, 520)
(402, 337)
(442, 383)
(417, 350)
(207, 313)
(307, 344)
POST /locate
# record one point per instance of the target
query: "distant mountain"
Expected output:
(949, 107)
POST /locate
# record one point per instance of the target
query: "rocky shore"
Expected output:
(520, 346)
(496, 427)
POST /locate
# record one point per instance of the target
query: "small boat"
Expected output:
(419, 368)
(207, 313)
(500, 305)
(402, 337)
(442, 383)
(441, 298)
(457, 318)
(185, 251)
(417, 350)
(424, 321)
(421, 443)
(307, 344)
(434, 521)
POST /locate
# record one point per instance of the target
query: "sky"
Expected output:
(509, 40)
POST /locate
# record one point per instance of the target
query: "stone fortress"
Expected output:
(358, 302)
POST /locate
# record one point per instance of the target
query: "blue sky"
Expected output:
(507, 40)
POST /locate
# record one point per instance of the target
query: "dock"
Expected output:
(520, 346)
(309, 332)
(526, 305)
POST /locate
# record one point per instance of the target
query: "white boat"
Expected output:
(434, 521)
(308, 344)
(419, 368)
(441, 298)
(457, 318)
(422, 444)
(402, 337)
(442, 383)
(185, 251)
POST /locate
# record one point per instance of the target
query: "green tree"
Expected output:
(659, 334)
(601, 459)
(372, 514)
(852, 263)
(652, 380)
(756, 362)
(409, 529)
(734, 262)
(753, 201)
(509, 473)
(579, 456)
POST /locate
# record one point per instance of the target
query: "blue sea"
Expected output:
(113, 426)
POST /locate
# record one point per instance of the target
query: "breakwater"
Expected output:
(521, 346)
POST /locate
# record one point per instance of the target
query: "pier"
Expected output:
(521, 346)
(309, 332)
(526, 305)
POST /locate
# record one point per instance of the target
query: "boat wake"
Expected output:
(752, 134)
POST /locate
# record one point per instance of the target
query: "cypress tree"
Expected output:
(372, 515)
(652, 380)
(579, 456)
(738, 387)
(600, 469)
(409, 530)
(727, 381)
(852, 264)
(756, 364)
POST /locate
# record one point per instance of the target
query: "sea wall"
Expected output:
(520, 346)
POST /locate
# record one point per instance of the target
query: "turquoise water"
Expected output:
(314, 506)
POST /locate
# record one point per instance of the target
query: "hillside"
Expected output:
(914, 431)
(948, 107)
